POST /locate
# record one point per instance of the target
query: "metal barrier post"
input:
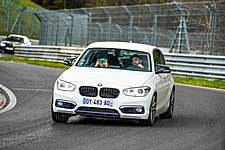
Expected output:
(89, 25)
(101, 29)
(43, 32)
(18, 18)
(154, 36)
(109, 23)
(82, 34)
(89, 29)
(46, 32)
(213, 27)
(71, 30)
(130, 22)
(57, 31)
(182, 29)
(52, 33)
(7, 23)
(32, 24)
(120, 30)
(138, 33)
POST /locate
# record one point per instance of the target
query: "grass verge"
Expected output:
(220, 84)
(27, 3)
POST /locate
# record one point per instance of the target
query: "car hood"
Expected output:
(87, 75)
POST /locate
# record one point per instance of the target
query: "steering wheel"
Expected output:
(134, 68)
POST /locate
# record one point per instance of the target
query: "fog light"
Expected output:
(135, 109)
(65, 104)
(139, 110)
(59, 104)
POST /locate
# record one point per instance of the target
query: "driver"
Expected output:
(136, 61)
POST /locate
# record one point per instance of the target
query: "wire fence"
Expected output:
(18, 19)
(187, 27)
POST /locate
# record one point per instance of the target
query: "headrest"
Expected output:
(102, 55)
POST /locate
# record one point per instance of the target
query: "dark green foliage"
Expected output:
(70, 4)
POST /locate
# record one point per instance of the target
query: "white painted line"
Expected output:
(12, 101)
(23, 89)
(200, 87)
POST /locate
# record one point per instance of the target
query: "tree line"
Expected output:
(71, 4)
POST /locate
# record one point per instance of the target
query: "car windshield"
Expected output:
(115, 59)
(14, 39)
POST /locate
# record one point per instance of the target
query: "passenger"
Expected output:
(115, 60)
(102, 61)
(137, 61)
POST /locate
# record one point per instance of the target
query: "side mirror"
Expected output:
(68, 61)
(162, 69)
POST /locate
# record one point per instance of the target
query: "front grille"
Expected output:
(88, 91)
(109, 93)
(8, 44)
(97, 111)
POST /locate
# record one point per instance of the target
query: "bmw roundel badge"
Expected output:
(99, 84)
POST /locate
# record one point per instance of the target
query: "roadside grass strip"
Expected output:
(35, 62)
(220, 84)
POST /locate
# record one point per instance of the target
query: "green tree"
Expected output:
(48, 4)
(39, 2)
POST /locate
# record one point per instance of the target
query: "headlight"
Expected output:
(138, 91)
(65, 86)
(2, 44)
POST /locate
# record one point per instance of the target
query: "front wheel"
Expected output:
(152, 113)
(59, 118)
(169, 113)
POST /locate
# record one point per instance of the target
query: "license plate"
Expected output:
(98, 102)
(9, 48)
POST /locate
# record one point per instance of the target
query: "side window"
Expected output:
(162, 59)
(156, 57)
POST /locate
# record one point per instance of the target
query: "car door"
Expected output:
(162, 79)
(165, 80)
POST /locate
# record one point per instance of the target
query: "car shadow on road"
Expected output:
(182, 121)
(92, 121)
(185, 121)
(178, 121)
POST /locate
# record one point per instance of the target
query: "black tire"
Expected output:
(169, 113)
(59, 118)
(152, 113)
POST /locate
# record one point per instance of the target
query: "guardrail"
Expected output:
(202, 66)
(51, 53)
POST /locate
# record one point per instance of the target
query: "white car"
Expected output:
(118, 80)
(12, 40)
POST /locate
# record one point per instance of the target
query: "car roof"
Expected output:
(123, 45)
(15, 35)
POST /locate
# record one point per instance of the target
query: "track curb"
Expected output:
(3, 100)
(8, 99)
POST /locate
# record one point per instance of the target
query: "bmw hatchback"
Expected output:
(117, 80)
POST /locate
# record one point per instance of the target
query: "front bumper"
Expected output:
(126, 107)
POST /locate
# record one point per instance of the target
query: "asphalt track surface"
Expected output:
(198, 122)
